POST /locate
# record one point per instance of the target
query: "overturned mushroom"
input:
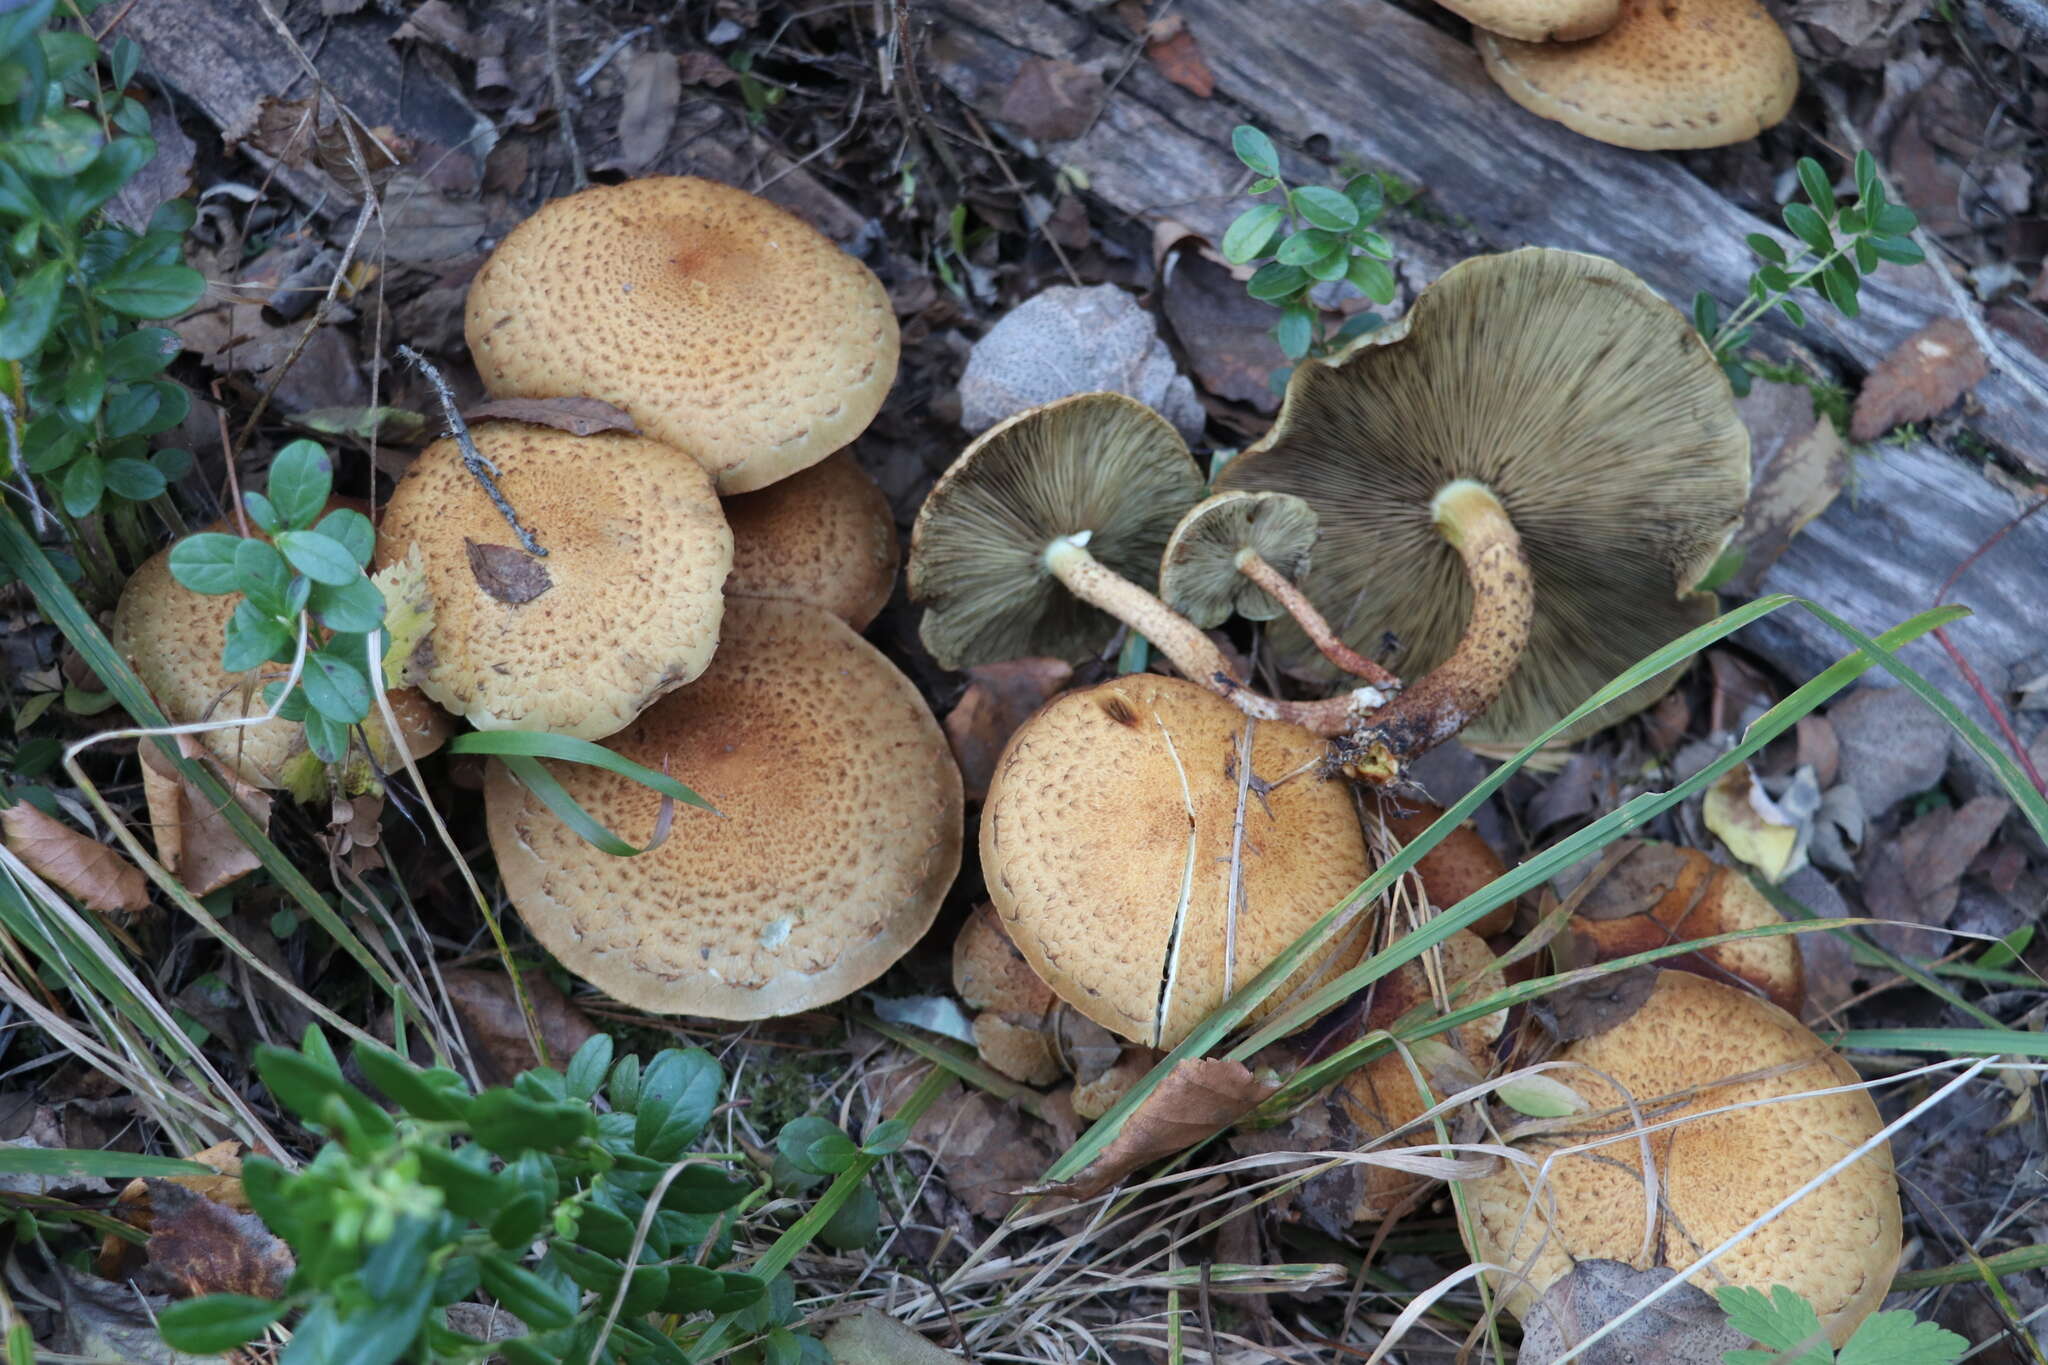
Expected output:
(1530, 531)
(824, 535)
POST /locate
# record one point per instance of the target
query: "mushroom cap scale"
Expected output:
(1198, 573)
(837, 835)
(1838, 1247)
(1668, 74)
(624, 607)
(1098, 463)
(824, 535)
(1587, 404)
(1107, 840)
(727, 327)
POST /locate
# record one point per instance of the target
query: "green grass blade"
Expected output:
(556, 798)
(1949, 1042)
(69, 1163)
(532, 744)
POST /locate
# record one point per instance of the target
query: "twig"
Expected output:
(474, 460)
(565, 110)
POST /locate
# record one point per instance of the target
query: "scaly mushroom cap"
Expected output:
(1669, 74)
(726, 326)
(1097, 462)
(1013, 1028)
(1589, 407)
(823, 536)
(1837, 1248)
(1659, 895)
(1198, 574)
(1461, 863)
(1107, 843)
(624, 607)
(838, 831)
(1539, 21)
(172, 638)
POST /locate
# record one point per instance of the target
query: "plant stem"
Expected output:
(1282, 589)
(1754, 308)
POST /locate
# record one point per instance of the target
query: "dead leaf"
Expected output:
(1592, 1007)
(1226, 334)
(199, 1246)
(874, 1338)
(491, 1020)
(577, 416)
(1179, 59)
(999, 698)
(1753, 826)
(194, 841)
(506, 572)
(119, 1258)
(989, 1150)
(1817, 748)
(1199, 1097)
(1685, 1327)
(94, 875)
(440, 23)
(647, 114)
(1052, 100)
(1916, 877)
(328, 136)
(702, 68)
(1922, 376)
(1796, 485)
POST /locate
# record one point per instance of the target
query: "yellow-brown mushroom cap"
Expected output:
(824, 535)
(1107, 843)
(838, 830)
(1837, 1247)
(1669, 74)
(624, 607)
(1539, 21)
(1013, 1027)
(726, 326)
(1461, 863)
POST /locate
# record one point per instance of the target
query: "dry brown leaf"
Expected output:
(989, 1151)
(302, 130)
(119, 1257)
(1227, 334)
(490, 1017)
(1922, 376)
(1179, 59)
(200, 1246)
(702, 68)
(1052, 100)
(91, 873)
(999, 698)
(577, 416)
(1199, 1097)
(506, 572)
(1685, 1327)
(193, 840)
(1802, 478)
(647, 114)
(1916, 878)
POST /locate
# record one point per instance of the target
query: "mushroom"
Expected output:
(1240, 554)
(1659, 894)
(624, 607)
(1539, 21)
(837, 832)
(1528, 531)
(1680, 1046)
(1667, 75)
(1012, 1028)
(172, 638)
(823, 536)
(725, 325)
(1146, 872)
(1461, 863)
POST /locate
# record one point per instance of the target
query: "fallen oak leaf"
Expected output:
(1922, 376)
(1199, 1098)
(577, 416)
(88, 871)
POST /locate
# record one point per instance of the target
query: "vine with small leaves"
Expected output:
(1835, 246)
(1314, 235)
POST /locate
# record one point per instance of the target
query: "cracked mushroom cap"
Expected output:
(1591, 409)
(1098, 463)
(728, 327)
(1669, 74)
(1199, 575)
(624, 607)
(837, 834)
(1540, 21)
(824, 535)
(172, 638)
(1107, 839)
(1670, 1032)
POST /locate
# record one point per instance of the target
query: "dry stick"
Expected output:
(474, 460)
(1998, 713)
(1282, 589)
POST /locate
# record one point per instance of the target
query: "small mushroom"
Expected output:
(1659, 894)
(172, 638)
(1680, 1046)
(837, 832)
(1113, 850)
(727, 327)
(1461, 863)
(624, 607)
(1540, 21)
(824, 535)
(1012, 1025)
(1529, 531)
(1666, 75)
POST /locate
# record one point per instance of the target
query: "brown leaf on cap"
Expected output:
(1922, 376)
(1179, 59)
(1051, 100)
(200, 1246)
(1591, 1008)
(507, 572)
(490, 1017)
(999, 698)
(577, 416)
(1199, 1097)
(83, 868)
(194, 841)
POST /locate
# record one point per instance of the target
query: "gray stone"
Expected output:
(1893, 745)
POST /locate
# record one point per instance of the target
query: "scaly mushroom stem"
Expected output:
(1457, 690)
(1187, 647)
(1281, 589)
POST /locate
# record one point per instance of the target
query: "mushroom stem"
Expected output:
(1187, 647)
(1281, 589)
(1455, 692)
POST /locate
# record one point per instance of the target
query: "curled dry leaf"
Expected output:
(200, 1246)
(1199, 1097)
(1179, 58)
(330, 137)
(193, 839)
(1754, 827)
(507, 573)
(999, 698)
(577, 416)
(88, 871)
(1927, 372)
(490, 1016)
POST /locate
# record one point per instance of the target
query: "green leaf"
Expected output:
(1250, 234)
(1838, 282)
(152, 291)
(1366, 196)
(1255, 149)
(1331, 268)
(57, 146)
(1794, 314)
(124, 55)
(1814, 181)
(25, 321)
(1898, 1338)
(129, 408)
(1866, 174)
(141, 353)
(1809, 227)
(135, 480)
(1274, 282)
(564, 807)
(1265, 184)
(815, 1145)
(886, 1137)
(1898, 250)
(1296, 330)
(509, 1123)
(85, 386)
(1372, 278)
(301, 1083)
(586, 1070)
(252, 639)
(262, 575)
(1865, 256)
(855, 1224)
(1739, 378)
(1308, 246)
(1769, 279)
(1781, 1321)
(20, 23)
(1323, 207)
(262, 512)
(522, 1293)
(1706, 314)
(678, 1091)
(301, 478)
(352, 531)
(1766, 247)
(1894, 220)
(83, 484)
(318, 557)
(335, 688)
(216, 1323)
(1852, 222)
(355, 607)
(437, 1095)
(205, 563)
